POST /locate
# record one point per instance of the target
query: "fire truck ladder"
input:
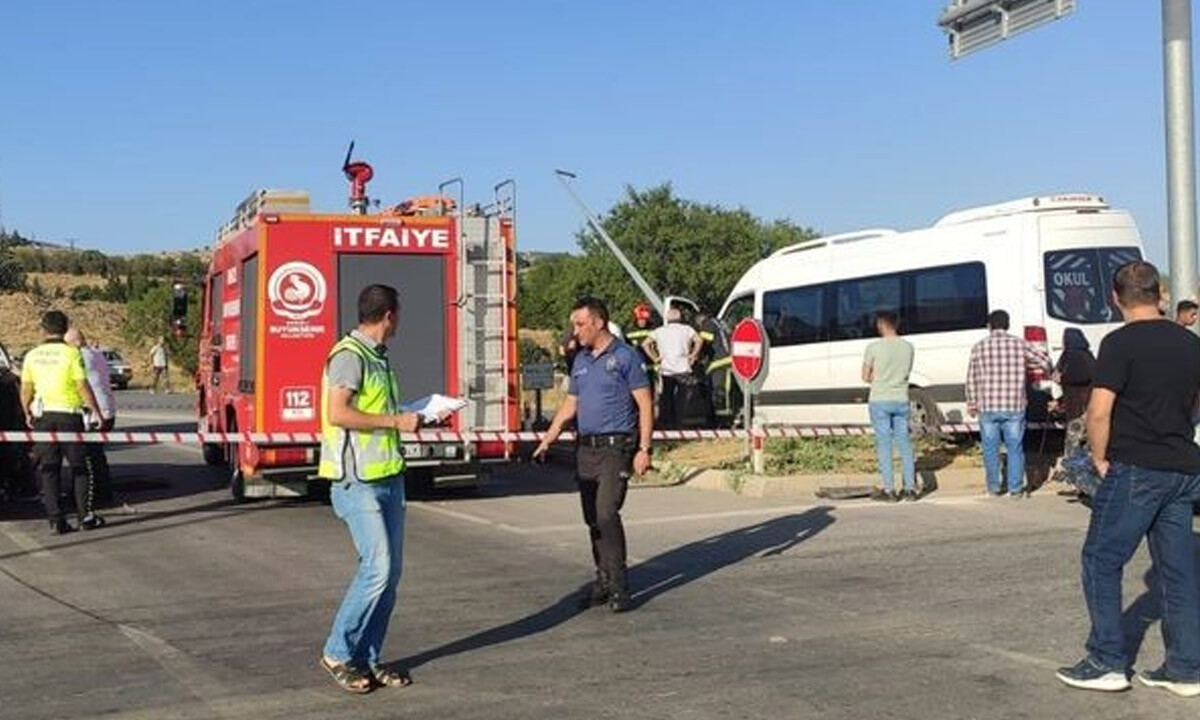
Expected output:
(485, 310)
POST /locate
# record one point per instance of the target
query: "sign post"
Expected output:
(537, 377)
(748, 357)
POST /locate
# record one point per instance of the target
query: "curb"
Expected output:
(950, 481)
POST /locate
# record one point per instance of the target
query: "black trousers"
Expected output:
(97, 463)
(668, 403)
(603, 474)
(50, 456)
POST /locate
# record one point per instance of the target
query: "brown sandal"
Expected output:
(391, 678)
(348, 677)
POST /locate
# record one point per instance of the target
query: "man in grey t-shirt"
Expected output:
(887, 364)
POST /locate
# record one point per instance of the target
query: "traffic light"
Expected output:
(179, 308)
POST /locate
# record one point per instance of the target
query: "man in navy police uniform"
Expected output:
(609, 397)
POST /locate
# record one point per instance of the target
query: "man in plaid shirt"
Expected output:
(996, 393)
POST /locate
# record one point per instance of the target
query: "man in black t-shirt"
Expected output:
(1139, 427)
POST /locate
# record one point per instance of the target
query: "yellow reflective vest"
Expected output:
(55, 369)
(376, 453)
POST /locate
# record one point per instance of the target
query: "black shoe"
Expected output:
(882, 495)
(597, 594)
(61, 526)
(908, 495)
(91, 521)
(619, 600)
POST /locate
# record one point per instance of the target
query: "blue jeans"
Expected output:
(890, 421)
(1133, 502)
(1011, 427)
(374, 513)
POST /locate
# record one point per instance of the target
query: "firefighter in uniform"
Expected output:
(609, 397)
(54, 393)
(643, 328)
(362, 459)
(715, 365)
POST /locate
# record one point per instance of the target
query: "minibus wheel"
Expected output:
(924, 418)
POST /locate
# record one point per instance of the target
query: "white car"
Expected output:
(121, 371)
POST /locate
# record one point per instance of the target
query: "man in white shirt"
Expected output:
(674, 347)
(99, 377)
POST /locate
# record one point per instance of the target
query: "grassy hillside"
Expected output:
(99, 320)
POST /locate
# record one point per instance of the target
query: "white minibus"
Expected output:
(1048, 261)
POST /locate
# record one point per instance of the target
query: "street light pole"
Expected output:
(1181, 163)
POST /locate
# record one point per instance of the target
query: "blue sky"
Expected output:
(138, 126)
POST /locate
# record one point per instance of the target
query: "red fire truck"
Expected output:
(283, 287)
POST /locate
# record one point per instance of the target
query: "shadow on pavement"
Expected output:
(119, 527)
(656, 576)
(675, 568)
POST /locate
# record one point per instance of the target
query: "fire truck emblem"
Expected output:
(296, 291)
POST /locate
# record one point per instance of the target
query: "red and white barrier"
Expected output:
(439, 436)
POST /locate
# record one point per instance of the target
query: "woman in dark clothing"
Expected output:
(1074, 374)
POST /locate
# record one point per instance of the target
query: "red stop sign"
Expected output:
(748, 349)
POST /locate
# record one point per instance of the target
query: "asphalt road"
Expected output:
(142, 405)
(190, 606)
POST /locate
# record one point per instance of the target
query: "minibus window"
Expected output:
(1079, 283)
(795, 316)
(945, 299)
(739, 309)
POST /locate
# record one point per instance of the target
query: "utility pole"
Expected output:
(1181, 159)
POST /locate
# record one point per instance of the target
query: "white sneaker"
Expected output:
(1159, 679)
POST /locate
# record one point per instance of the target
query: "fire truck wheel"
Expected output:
(237, 483)
(237, 480)
(214, 454)
(418, 481)
(318, 490)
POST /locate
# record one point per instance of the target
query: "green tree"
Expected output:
(531, 352)
(149, 316)
(12, 275)
(680, 246)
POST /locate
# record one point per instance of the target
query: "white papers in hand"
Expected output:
(433, 408)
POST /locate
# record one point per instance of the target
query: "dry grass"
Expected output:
(20, 315)
(819, 455)
(54, 281)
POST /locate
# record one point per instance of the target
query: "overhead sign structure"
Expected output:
(748, 350)
(976, 24)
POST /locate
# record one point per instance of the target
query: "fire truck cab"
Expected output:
(283, 287)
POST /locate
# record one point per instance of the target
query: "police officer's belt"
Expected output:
(618, 440)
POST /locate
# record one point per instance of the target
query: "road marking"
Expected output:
(186, 671)
(1017, 657)
(468, 517)
(281, 703)
(817, 605)
(575, 526)
(690, 517)
(778, 510)
(178, 664)
(32, 547)
(651, 591)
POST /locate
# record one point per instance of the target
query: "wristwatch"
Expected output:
(646, 450)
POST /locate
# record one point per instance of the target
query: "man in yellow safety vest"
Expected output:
(54, 392)
(361, 457)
